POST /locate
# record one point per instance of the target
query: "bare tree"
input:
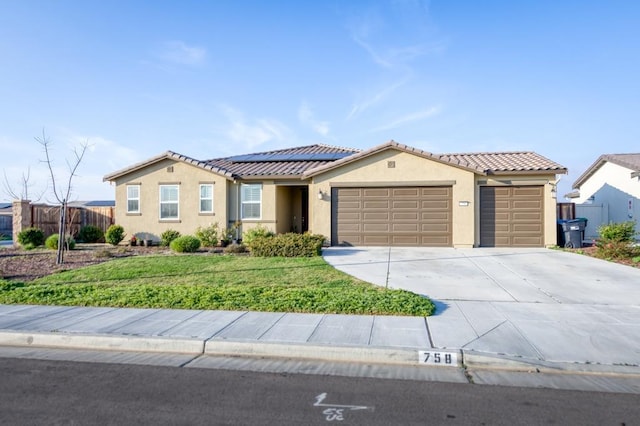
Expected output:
(24, 185)
(62, 193)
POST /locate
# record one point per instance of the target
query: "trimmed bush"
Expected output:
(258, 232)
(114, 235)
(185, 244)
(52, 242)
(90, 234)
(208, 236)
(31, 238)
(288, 245)
(167, 236)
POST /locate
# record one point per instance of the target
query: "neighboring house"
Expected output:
(608, 191)
(389, 195)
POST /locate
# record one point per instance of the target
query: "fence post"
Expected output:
(22, 217)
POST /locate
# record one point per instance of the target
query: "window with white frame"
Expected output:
(251, 194)
(133, 198)
(169, 204)
(206, 198)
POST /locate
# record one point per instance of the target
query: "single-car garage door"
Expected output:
(402, 216)
(512, 216)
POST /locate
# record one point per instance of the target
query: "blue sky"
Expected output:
(212, 79)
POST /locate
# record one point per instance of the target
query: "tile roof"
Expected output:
(237, 166)
(482, 163)
(506, 162)
(630, 161)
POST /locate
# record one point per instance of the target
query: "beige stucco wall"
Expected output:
(409, 170)
(147, 223)
(550, 220)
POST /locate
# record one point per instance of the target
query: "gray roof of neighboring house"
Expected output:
(630, 161)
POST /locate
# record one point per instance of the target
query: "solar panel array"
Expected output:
(266, 157)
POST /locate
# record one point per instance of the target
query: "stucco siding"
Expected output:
(147, 223)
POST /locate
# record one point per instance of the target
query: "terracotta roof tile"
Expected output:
(506, 162)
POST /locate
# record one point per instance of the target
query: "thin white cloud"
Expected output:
(180, 53)
(361, 106)
(252, 134)
(306, 117)
(409, 118)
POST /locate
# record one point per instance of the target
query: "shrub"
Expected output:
(288, 245)
(257, 232)
(208, 236)
(185, 244)
(114, 235)
(616, 241)
(90, 234)
(235, 249)
(623, 231)
(52, 242)
(31, 238)
(167, 236)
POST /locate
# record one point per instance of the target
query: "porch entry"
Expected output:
(292, 208)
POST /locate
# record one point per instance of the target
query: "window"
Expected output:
(169, 202)
(206, 198)
(251, 201)
(133, 198)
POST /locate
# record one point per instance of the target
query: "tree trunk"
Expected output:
(61, 239)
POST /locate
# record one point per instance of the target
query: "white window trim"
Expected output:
(160, 202)
(201, 199)
(243, 202)
(133, 198)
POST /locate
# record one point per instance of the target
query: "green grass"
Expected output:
(216, 282)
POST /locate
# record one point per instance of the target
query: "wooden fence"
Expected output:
(47, 218)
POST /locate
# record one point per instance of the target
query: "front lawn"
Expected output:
(216, 282)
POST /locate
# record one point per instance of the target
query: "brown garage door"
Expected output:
(403, 216)
(512, 216)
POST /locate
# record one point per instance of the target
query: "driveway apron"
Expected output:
(533, 303)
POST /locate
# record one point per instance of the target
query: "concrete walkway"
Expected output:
(523, 309)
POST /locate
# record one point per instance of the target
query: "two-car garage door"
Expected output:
(392, 216)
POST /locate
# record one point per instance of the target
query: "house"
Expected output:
(389, 195)
(608, 191)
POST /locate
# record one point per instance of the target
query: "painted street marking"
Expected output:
(336, 411)
(439, 358)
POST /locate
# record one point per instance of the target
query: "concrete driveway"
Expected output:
(537, 304)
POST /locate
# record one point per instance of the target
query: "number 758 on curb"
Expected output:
(445, 359)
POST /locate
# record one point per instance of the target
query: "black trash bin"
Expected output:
(574, 232)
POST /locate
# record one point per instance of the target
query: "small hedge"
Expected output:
(90, 234)
(114, 235)
(617, 241)
(185, 244)
(288, 245)
(52, 242)
(167, 236)
(31, 237)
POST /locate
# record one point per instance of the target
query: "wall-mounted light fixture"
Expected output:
(320, 194)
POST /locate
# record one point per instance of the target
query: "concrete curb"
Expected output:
(486, 361)
(102, 342)
(400, 356)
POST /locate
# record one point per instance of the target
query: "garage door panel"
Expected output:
(512, 216)
(405, 216)
(351, 205)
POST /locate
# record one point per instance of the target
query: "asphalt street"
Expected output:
(36, 392)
